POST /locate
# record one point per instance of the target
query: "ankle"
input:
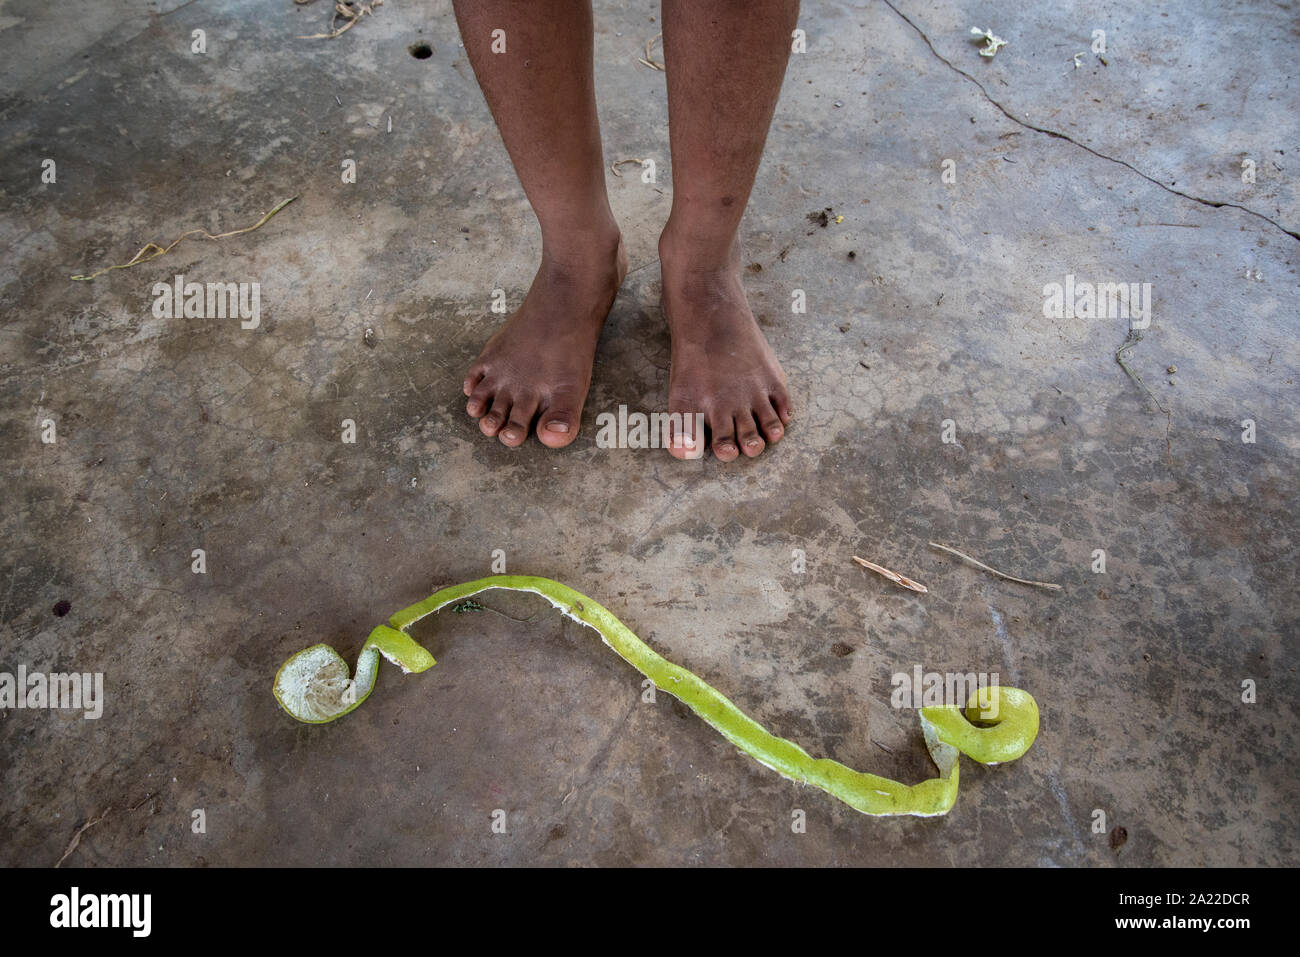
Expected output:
(584, 253)
(684, 252)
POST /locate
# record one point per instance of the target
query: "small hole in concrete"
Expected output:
(61, 608)
(421, 51)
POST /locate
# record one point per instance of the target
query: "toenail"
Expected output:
(558, 426)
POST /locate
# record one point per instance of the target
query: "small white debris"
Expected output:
(993, 44)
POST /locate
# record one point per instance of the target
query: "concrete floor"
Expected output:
(180, 434)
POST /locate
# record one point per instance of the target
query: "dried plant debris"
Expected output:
(979, 564)
(648, 59)
(614, 167)
(152, 250)
(99, 819)
(349, 12)
(892, 576)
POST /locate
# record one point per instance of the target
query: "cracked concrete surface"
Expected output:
(177, 434)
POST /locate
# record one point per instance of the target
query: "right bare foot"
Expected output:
(722, 365)
(537, 368)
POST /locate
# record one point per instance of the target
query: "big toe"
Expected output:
(557, 426)
(686, 435)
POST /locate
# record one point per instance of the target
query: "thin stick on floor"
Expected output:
(892, 576)
(154, 250)
(987, 568)
(76, 838)
(649, 59)
(97, 819)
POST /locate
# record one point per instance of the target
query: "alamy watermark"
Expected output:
(656, 430)
(1101, 300)
(57, 691)
(215, 300)
(929, 689)
(130, 911)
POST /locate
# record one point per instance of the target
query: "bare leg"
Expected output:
(725, 61)
(537, 368)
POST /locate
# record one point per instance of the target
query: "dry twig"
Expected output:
(154, 250)
(979, 564)
(614, 167)
(76, 838)
(892, 576)
(351, 11)
(649, 59)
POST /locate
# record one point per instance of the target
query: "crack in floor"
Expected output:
(602, 752)
(1215, 204)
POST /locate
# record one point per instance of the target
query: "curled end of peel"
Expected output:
(997, 725)
(314, 686)
(401, 649)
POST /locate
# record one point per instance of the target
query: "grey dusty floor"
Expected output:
(925, 303)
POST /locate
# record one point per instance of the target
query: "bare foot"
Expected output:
(721, 363)
(537, 367)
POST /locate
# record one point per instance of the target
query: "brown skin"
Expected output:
(535, 372)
